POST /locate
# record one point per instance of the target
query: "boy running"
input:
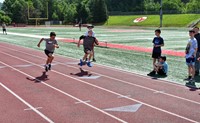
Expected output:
(90, 27)
(51, 44)
(190, 56)
(158, 42)
(88, 44)
(4, 28)
(161, 68)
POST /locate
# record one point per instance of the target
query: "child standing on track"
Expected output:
(90, 27)
(88, 44)
(4, 28)
(51, 44)
(158, 42)
(190, 56)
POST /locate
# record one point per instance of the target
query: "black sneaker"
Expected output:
(94, 60)
(152, 73)
(188, 79)
(49, 66)
(196, 73)
(46, 68)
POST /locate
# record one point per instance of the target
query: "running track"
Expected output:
(28, 95)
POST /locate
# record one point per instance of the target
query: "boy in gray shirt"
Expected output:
(51, 44)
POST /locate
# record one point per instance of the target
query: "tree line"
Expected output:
(87, 11)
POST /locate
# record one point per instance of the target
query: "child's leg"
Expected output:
(154, 61)
(91, 55)
(193, 71)
(85, 56)
(51, 59)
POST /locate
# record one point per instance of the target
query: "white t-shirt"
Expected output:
(192, 43)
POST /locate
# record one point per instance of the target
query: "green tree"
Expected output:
(193, 6)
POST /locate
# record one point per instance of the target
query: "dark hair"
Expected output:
(163, 58)
(52, 34)
(192, 31)
(158, 30)
(196, 27)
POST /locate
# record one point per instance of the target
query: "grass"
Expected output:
(138, 62)
(175, 20)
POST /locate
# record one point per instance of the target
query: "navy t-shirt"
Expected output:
(157, 41)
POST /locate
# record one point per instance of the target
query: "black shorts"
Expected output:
(48, 52)
(161, 72)
(86, 50)
(4, 30)
(156, 55)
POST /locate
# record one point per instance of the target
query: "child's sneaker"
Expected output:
(46, 68)
(94, 60)
(81, 62)
(152, 73)
(89, 64)
(188, 79)
(192, 80)
(49, 66)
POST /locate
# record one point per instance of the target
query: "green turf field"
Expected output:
(139, 62)
(175, 20)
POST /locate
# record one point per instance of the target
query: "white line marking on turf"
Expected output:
(89, 77)
(26, 103)
(159, 92)
(54, 88)
(29, 109)
(88, 101)
(126, 82)
(101, 88)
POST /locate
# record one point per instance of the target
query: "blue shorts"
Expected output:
(190, 61)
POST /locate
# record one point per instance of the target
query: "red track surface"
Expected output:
(60, 92)
(133, 48)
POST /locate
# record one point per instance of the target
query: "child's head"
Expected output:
(196, 30)
(157, 32)
(191, 33)
(90, 32)
(162, 59)
(90, 27)
(52, 35)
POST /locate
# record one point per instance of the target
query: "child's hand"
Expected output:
(56, 46)
(78, 45)
(38, 45)
(198, 59)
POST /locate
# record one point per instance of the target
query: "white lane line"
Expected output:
(29, 109)
(124, 96)
(26, 103)
(122, 81)
(73, 97)
(101, 88)
(88, 101)
(159, 92)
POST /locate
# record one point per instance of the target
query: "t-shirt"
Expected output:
(165, 67)
(157, 41)
(88, 42)
(4, 26)
(197, 36)
(191, 46)
(50, 44)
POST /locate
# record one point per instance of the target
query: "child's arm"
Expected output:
(40, 42)
(96, 42)
(79, 42)
(56, 45)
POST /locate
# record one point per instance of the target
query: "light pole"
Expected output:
(161, 14)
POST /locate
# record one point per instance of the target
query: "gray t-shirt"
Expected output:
(89, 42)
(192, 46)
(50, 44)
(4, 26)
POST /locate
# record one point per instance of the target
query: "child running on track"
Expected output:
(190, 56)
(88, 44)
(90, 27)
(158, 42)
(51, 44)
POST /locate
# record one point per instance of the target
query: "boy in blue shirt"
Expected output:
(158, 42)
(161, 68)
(190, 56)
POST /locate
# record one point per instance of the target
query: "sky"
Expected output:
(1, 1)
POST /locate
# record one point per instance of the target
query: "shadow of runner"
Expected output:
(82, 73)
(38, 79)
(158, 76)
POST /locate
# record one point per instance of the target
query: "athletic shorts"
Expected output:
(190, 61)
(156, 55)
(161, 72)
(86, 50)
(48, 52)
(4, 30)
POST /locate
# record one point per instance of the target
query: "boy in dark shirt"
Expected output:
(197, 36)
(88, 44)
(158, 42)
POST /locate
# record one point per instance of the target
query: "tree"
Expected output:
(193, 6)
(151, 5)
(81, 12)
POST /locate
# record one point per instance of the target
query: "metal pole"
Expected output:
(161, 14)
